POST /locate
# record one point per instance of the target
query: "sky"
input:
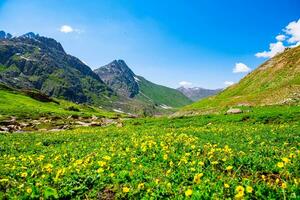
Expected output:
(195, 43)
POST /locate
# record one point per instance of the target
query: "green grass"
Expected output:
(200, 157)
(13, 103)
(161, 94)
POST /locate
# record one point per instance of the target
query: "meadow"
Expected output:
(254, 155)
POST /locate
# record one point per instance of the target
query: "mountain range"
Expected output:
(35, 62)
(197, 93)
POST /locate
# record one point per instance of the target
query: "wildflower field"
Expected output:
(255, 155)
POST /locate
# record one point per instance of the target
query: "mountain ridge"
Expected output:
(275, 82)
(197, 93)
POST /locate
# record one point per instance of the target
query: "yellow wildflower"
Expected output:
(240, 192)
(283, 185)
(229, 168)
(165, 156)
(126, 189)
(197, 178)
(107, 158)
(29, 190)
(101, 163)
(280, 164)
(285, 160)
(226, 185)
(214, 162)
(201, 163)
(100, 170)
(141, 186)
(249, 189)
(24, 174)
(189, 192)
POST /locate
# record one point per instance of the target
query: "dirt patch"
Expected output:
(107, 194)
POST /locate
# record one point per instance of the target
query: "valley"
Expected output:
(68, 131)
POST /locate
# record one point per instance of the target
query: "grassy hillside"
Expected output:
(161, 95)
(276, 81)
(18, 104)
(253, 155)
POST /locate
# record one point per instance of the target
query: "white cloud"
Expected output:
(275, 48)
(185, 84)
(66, 29)
(228, 83)
(280, 37)
(293, 29)
(241, 68)
(295, 45)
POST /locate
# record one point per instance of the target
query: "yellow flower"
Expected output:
(249, 189)
(165, 156)
(239, 195)
(101, 163)
(229, 168)
(157, 181)
(48, 167)
(24, 174)
(226, 185)
(133, 160)
(201, 163)
(239, 189)
(100, 170)
(126, 189)
(240, 192)
(214, 162)
(141, 186)
(283, 185)
(41, 157)
(197, 178)
(29, 190)
(285, 160)
(280, 164)
(189, 192)
(107, 158)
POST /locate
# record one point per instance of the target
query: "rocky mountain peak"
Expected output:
(30, 35)
(4, 35)
(119, 77)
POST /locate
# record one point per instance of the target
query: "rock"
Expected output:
(234, 111)
(119, 125)
(94, 117)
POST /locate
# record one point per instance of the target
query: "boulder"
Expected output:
(234, 111)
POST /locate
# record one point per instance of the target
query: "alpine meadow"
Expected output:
(149, 100)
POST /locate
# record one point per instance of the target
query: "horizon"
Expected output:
(192, 50)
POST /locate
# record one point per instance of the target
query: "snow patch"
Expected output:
(118, 111)
(136, 79)
(165, 106)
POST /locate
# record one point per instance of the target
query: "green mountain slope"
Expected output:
(32, 104)
(276, 81)
(160, 95)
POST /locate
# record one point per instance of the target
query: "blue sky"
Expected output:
(197, 43)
